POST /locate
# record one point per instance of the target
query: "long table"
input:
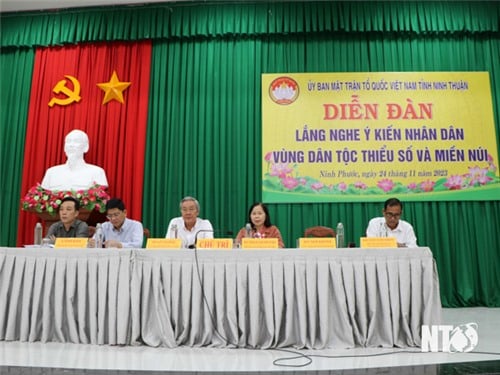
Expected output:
(340, 298)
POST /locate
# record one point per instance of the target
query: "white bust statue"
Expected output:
(75, 173)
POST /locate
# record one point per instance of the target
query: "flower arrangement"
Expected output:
(285, 177)
(43, 200)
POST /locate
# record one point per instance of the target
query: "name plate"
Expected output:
(163, 243)
(215, 243)
(367, 242)
(317, 243)
(259, 243)
(70, 243)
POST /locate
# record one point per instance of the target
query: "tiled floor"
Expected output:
(50, 358)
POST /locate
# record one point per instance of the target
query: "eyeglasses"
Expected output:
(190, 209)
(393, 215)
(111, 216)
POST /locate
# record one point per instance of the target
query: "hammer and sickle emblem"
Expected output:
(72, 95)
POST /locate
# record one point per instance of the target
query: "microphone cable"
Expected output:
(205, 301)
(228, 342)
(308, 358)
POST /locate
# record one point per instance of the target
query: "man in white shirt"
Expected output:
(390, 225)
(189, 227)
(120, 232)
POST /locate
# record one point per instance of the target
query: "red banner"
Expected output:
(84, 87)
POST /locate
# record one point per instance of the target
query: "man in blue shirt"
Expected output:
(120, 232)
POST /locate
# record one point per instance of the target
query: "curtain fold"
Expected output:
(116, 130)
(204, 133)
(16, 68)
(211, 19)
(222, 168)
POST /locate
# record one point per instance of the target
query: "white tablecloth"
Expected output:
(319, 299)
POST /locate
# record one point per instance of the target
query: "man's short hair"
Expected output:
(393, 202)
(72, 199)
(115, 203)
(190, 199)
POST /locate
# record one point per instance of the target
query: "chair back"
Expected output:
(319, 231)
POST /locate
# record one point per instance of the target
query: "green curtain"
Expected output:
(204, 130)
(212, 19)
(16, 67)
(205, 127)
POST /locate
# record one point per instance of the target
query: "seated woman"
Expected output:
(260, 225)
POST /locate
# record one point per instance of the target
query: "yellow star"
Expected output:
(113, 89)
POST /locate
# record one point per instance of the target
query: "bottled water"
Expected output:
(340, 235)
(38, 234)
(99, 236)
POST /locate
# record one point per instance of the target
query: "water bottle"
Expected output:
(340, 235)
(99, 236)
(38, 234)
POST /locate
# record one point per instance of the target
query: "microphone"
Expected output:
(174, 229)
(224, 232)
(248, 228)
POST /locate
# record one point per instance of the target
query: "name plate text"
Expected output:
(367, 242)
(215, 243)
(259, 243)
(317, 243)
(163, 243)
(70, 243)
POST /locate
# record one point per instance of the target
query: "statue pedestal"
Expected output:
(48, 219)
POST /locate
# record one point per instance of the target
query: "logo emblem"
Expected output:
(284, 90)
(463, 338)
(446, 338)
(113, 89)
(71, 95)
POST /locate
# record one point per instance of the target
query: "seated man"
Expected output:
(391, 226)
(120, 232)
(75, 174)
(69, 225)
(189, 227)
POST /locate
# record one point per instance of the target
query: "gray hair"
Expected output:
(190, 199)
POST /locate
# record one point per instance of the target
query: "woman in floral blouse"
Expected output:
(260, 225)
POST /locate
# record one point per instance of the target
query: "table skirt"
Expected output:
(314, 299)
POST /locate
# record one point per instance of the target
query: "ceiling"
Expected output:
(25, 5)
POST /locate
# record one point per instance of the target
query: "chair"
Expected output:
(319, 231)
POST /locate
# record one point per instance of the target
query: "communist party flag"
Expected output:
(101, 89)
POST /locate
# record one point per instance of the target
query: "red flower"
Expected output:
(41, 199)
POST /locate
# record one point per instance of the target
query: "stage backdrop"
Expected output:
(204, 134)
(365, 136)
(65, 95)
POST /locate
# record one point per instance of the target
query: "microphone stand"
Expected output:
(212, 318)
(193, 246)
